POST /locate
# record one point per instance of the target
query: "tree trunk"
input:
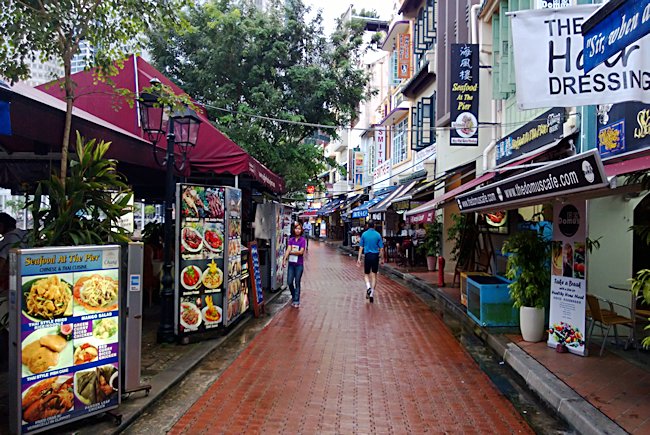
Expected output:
(69, 104)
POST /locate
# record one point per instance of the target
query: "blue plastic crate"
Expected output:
(489, 303)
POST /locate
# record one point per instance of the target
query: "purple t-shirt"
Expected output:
(296, 245)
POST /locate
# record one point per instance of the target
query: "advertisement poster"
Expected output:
(568, 277)
(282, 233)
(68, 300)
(548, 45)
(200, 219)
(234, 290)
(256, 294)
(464, 94)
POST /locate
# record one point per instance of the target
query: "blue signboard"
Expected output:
(5, 118)
(623, 129)
(616, 30)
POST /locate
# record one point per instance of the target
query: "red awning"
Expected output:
(214, 151)
(627, 166)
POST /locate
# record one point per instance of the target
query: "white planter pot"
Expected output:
(431, 263)
(531, 323)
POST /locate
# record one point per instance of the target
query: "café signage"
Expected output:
(545, 129)
(623, 128)
(613, 28)
(571, 175)
(464, 94)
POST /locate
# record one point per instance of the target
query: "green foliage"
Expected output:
(153, 233)
(641, 286)
(430, 246)
(15, 205)
(86, 210)
(529, 268)
(149, 211)
(461, 227)
(248, 66)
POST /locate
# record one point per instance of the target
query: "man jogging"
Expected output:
(372, 244)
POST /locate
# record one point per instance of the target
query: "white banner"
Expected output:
(549, 65)
(568, 277)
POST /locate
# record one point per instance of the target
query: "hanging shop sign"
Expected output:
(613, 28)
(404, 56)
(543, 130)
(65, 311)
(380, 142)
(623, 129)
(568, 277)
(208, 258)
(358, 169)
(572, 175)
(548, 45)
(464, 94)
(552, 4)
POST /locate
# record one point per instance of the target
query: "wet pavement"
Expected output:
(339, 364)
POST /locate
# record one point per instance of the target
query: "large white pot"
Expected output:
(531, 323)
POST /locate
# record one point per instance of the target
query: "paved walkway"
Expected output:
(341, 365)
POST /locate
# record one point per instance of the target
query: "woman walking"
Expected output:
(295, 256)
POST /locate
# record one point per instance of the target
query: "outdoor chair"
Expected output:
(606, 318)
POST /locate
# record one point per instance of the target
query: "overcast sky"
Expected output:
(333, 9)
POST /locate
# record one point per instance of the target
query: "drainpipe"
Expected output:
(474, 23)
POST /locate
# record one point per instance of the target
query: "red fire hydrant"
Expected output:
(441, 271)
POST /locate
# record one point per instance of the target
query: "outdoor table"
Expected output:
(628, 288)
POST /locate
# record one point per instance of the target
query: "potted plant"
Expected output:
(528, 267)
(430, 246)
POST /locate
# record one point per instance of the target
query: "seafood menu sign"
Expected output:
(568, 277)
(65, 305)
(464, 94)
(200, 257)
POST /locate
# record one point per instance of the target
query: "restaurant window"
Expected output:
(424, 34)
(399, 149)
(422, 116)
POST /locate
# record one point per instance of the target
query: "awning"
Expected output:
(363, 210)
(330, 206)
(628, 166)
(213, 153)
(382, 206)
(407, 193)
(390, 42)
(312, 212)
(394, 115)
(576, 174)
(347, 203)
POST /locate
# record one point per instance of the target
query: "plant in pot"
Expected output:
(430, 246)
(528, 267)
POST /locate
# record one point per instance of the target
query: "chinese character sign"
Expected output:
(464, 94)
(404, 56)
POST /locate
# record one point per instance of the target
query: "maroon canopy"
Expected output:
(214, 152)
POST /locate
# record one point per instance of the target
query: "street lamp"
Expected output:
(182, 129)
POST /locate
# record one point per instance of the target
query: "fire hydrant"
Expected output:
(441, 271)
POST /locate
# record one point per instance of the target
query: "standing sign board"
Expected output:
(613, 28)
(65, 310)
(548, 45)
(200, 260)
(237, 300)
(568, 277)
(464, 94)
(256, 294)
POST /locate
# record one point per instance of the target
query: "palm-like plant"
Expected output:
(86, 209)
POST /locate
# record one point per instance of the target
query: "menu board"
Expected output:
(200, 218)
(282, 234)
(234, 306)
(67, 303)
(256, 293)
(245, 279)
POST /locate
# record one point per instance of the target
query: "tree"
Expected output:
(15, 205)
(247, 66)
(54, 29)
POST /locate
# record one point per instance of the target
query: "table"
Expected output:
(628, 288)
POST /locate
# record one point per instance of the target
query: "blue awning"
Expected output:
(330, 207)
(362, 210)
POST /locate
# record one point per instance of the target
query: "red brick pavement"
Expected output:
(341, 365)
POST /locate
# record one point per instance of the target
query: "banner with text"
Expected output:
(464, 94)
(549, 66)
(404, 56)
(568, 277)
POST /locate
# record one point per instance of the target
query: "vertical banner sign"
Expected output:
(256, 295)
(200, 264)
(282, 234)
(404, 56)
(234, 307)
(568, 277)
(380, 140)
(358, 170)
(67, 308)
(464, 94)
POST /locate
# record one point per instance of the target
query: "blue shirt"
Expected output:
(371, 241)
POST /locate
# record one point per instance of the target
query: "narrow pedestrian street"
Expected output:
(339, 364)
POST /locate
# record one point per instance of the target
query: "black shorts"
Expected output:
(371, 263)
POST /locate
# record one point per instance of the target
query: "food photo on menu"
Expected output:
(191, 277)
(190, 313)
(47, 297)
(97, 384)
(214, 200)
(95, 340)
(192, 241)
(212, 314)
(47, 398)
(212, 276)
(95, 292)
(46, 349)
(193, 204)
(213, 239)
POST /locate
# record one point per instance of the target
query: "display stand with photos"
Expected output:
(256, 292)
(64, 316)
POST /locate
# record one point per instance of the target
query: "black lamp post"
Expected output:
(182, 129)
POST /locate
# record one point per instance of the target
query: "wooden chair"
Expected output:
(606, 318)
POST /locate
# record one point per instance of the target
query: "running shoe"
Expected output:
(368, 293)
(371, 295)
